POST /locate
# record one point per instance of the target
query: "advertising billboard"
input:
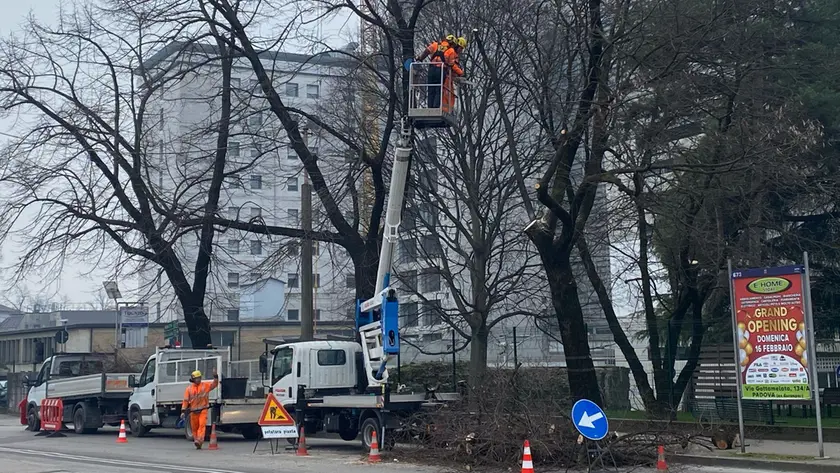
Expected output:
(771, 336)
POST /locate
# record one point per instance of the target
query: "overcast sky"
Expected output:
(80, 284)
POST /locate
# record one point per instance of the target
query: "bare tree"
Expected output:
(90, 177)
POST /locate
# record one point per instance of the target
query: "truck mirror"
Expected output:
(132, 381)
(26, 381)
(263, 364)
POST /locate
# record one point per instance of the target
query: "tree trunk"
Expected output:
(478, 355)
(583, 383)
(365, 259)
(198, 324)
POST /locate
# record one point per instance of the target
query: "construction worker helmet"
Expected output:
(462, 42)
(450, 38)
(195, 374)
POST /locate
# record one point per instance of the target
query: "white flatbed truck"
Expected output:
(92, 397)
(159, 391)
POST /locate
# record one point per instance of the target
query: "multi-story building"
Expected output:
(263, 185)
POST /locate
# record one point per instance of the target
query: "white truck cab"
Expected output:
(324, 367)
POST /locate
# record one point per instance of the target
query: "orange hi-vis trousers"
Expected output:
(198, 423)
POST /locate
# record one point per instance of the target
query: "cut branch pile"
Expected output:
(488, 428)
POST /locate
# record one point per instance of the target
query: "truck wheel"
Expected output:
(348, 435)
(252, 432)
(32, 419)
(135, 422)
(370, 425)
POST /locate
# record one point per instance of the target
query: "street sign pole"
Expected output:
(739, 388)
(812, 352)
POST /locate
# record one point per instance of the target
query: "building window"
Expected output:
(431, 313)
(255, 276)
(316, 280)
(332, 358)
(318, 314)
(409, 315)
(256, 181)
(233, 315)
(409, 280)
(408, 250)
(431, 280)
(293, 280)
(256, 247)
(292, 184)
(431, 246)
(429, 180)
(313, 91)
(233, 149)
(235, 81)
(291, 89)
(428, 214)
(233, 246)
(290, 152)
(256, 212)
(233, 213)
(292, 315)
(255, 119)
(233, 280)
(293, 249)
(350, 281)
(293, 215)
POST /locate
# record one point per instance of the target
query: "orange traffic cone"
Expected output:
(527, 462)
(301, 450)
(660, 462)
(214, 442)
(122, 438)
(374, 457)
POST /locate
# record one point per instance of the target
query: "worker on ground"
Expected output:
(436, 50)
(197, 404)
(452, 65)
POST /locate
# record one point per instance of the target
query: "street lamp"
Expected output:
(112, 290)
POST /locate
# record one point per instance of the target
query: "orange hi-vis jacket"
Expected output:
(450, 57)
(437, 46)
(197, 396)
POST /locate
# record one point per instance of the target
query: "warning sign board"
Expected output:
(274, 413)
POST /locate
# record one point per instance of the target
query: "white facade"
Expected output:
(263, 185)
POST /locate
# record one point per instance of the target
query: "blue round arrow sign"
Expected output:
(590, 420)
(407, 63)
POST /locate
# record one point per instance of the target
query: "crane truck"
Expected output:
(328, 386)
(342, 386)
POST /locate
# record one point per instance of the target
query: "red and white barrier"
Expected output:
(22, 407)
(52, 417)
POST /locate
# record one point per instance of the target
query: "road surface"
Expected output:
(22, 452)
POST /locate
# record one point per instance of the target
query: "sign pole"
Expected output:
(812, 352)
(737, 360)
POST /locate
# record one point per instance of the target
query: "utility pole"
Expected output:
(307, 315)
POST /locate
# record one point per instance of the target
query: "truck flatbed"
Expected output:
(365, 401)
(102, 385)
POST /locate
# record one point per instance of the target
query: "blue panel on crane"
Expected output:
(407, 63)
(390, 326)
(362, 318)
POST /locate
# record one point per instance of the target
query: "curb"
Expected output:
(815, 466)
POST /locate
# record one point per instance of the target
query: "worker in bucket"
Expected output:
(452, 61)
(436, 52)
(197, 404)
